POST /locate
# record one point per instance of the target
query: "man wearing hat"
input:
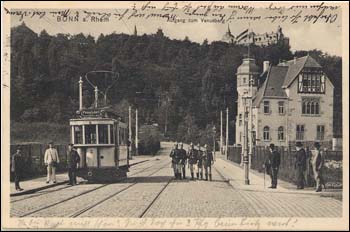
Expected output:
(300, 164)
(317, 161)
(17, 167)
(183, 160)
(73, 160)
(175, 154)
(192, 159)
(51, 160)
(208, 160)
(200, 162)
(272, 165)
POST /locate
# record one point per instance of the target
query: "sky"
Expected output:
(303, 36)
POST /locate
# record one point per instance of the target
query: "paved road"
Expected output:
(151, 191)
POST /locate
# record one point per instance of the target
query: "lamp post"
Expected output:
(245, 99)
(251, 82)
(214, 133)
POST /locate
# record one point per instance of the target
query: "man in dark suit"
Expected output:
(17, 167)
(272, 165)
(73, 160)
(300, 165)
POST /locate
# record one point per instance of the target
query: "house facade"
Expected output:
(292, 101)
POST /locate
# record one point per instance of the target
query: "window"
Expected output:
(311, 80)
(266, 133)
(280, 133)
(300, 132)
(112, 134)
(78, 132)
(266, 107)
(103, 134)
(281, 107)
(90, 134)
(240, 137)
(240, 119)
(244, 80)
(310, 106)
(320, 132)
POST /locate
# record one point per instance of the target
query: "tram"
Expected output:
(100, 137)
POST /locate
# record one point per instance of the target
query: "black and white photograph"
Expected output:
(175, 115)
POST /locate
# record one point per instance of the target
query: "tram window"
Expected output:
(112, 134)
(78, 138)
(103, 134)
(90, 134)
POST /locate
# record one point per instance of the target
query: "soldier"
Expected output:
(173, 161)
(317, 162)
(73, 160)
(17, 167)
(272, 165)
(208, 160)
(183, 160)
(192, 159)
(200, 162)
(300, 165)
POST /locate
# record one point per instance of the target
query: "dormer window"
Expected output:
(311, 80)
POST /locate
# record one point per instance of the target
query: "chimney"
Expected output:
(266, 65)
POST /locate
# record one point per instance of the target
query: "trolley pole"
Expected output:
(96, 97)
(130, 133)
(136, 133)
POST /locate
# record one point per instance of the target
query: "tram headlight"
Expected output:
(89, 173)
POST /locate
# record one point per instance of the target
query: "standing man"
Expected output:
(192, 159)
(73, 160)
(183, 160)
(300, 165)
(317, 162)
(174, 154)
(208, 161)
(272, 165)
(200, 162)
(51, 160)
(17, 167)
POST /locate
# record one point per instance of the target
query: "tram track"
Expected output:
(92, 190)
(66, 187)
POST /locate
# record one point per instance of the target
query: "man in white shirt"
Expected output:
(51, 160)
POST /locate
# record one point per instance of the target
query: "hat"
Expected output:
(71, 144)
(272, 146)
(51, 142)
(298, 144)
(18, 148)
(317, 144)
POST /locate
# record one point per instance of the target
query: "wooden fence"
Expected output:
(332, 172)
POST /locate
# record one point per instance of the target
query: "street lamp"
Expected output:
(245, 99)
(214, 133)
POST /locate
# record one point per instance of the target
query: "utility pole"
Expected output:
(130, 132)
(250, 120)
(136, 133)
(226, 132)
(80, 94)
(96, 97)
(221, 137)
(245, 142)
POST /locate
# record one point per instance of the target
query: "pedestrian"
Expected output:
(183, 160)
(192, 159)
(73, 160)
(272, 165)
(317, 162)
(208, 161)
(17, 167)
(51, 161)
(174, 154)
(300, 165)
(200, 162)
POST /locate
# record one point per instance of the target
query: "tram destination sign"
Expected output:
(91, 113)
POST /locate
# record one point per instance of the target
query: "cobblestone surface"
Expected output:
(180, 198)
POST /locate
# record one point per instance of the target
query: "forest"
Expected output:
(178, 84)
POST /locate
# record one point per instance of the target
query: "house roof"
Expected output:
(272, 86)
(295, 66)
(281, 76)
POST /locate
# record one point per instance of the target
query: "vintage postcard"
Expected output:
(175, 115)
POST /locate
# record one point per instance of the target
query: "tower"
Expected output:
(135, 31)
(247, 75)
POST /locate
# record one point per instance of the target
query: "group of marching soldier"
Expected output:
(198, 160)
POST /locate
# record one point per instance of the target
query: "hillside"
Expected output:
(187, 82)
